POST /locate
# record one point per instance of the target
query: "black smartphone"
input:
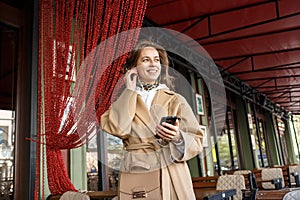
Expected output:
(168, 119)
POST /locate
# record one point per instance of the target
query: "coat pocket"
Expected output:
(140, 162)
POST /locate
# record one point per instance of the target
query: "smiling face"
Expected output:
(148, 65)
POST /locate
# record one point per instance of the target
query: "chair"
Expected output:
(241, 172)
(248, 194)
(293, 195)
(272, 178)
(227, 182)
(251, 179)
(71, 195)
(293, 175)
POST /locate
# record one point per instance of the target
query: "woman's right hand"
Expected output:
(130, 79)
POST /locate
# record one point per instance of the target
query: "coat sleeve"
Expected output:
(118, 118)
(191, 133)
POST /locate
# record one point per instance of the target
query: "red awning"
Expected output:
(257, 41)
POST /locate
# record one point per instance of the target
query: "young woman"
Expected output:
(156, 152)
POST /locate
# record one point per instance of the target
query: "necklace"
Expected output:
(149, 86)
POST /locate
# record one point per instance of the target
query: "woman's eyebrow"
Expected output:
(149, 57)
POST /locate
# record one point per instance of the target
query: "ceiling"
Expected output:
(256, 41)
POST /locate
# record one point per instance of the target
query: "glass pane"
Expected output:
(114, 153)
(263, 145)
(233, 140)
(92, 164)
(234, 150)
(227, 146)
(224, 151)
(278, 139)
(110, 149)
(7, 130)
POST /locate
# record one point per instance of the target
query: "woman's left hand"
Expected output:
(168, 131)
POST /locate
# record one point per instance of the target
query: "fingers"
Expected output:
(167, 131)
(130, 78)
(130, 75)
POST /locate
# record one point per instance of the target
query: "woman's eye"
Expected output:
(145, 60)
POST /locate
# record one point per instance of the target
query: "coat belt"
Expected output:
(143, 145)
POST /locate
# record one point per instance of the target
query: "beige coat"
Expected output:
(129, 119)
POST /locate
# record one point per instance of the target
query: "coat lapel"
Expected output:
(159, 105)
(163, 98)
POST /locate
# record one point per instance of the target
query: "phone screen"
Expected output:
(169, 119)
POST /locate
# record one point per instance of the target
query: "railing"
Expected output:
(6, 189)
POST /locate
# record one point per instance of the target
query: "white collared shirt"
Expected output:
(148, 96)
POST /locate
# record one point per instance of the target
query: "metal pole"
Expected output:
(229, 140)
(102, 152)
(34, 99)
(292, 119)
(250, 139)
(215, 135)
(281, 148)
(258, 136)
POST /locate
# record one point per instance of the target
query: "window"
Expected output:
(103, 161)
(227, 144)
(257, 131)
(6, 151)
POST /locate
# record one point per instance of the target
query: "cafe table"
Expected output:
(273, 194)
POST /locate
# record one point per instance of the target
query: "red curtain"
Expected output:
(81, 51)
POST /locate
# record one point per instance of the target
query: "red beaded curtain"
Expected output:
(70, 33)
